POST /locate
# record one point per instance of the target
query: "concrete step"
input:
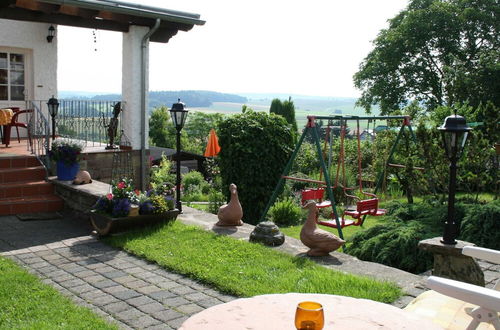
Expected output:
(25, 188)
(22, 174)
(18, 161)
(30, 204)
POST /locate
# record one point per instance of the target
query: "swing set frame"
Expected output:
(312, 128)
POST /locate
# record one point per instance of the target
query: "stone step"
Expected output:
(25, 188)
(30, 204)
(18, 162)
(22, 174)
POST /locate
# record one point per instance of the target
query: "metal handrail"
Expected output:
(38, 127)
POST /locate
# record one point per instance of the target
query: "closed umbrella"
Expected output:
(213, 147)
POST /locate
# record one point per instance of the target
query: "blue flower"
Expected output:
(146, 207)
(121, 207)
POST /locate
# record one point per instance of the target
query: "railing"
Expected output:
(86, 120)
(38, 127)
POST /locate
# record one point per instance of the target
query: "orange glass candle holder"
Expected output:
(309, 316)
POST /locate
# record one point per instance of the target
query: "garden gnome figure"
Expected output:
(230, 214)
(113, 126)
(319, 241)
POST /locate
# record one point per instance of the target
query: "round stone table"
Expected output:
(277, 311)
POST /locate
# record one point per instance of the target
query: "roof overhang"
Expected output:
(100, 14)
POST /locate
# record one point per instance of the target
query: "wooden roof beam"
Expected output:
(75, 11)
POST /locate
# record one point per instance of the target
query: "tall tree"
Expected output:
(437, 52)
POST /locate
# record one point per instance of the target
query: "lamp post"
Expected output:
(178, 114)
(53, 106)
(454, 131)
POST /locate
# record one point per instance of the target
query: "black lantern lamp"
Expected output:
(52, 33)
(179, 115)
(53, 106)
(454, 131)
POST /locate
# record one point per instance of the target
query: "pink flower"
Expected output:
(121, 185)
(137, 192)
(109, 196)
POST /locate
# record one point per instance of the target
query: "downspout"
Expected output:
(144, 43)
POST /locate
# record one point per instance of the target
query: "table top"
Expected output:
(277, 311)
(5, 116)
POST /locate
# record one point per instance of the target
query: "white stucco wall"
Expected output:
(41, 64)
(131, 84)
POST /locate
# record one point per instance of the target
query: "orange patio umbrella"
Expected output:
(213, 147)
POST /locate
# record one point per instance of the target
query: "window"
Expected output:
(12, 76)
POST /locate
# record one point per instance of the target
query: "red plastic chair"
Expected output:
(315, 194)
(15, 123)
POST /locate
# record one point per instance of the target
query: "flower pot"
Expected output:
(66, 172)
(105, 225)
(134, 210)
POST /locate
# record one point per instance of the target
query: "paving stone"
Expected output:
(85, 273)
(196, 296)
(104, 300)
(182, 290)
(168, 284)
(104, 284)
(44, 253)
(139, 301)
(115, 288)
(135, 270)
(167, 315)
(114, 274)
(40, 264)
(116, 307)
(59, 262)
(26, 255)
(160, 326)
(63, 277)
(144, 322)
(48, 270)
(52, 256)
(126, 294)
(207, 303)
(155, 279)
(148, 289)
(162, 295)
(125, 279)
(104, 269)
(72, 283)
(129, 314)
(136, 284)
(151, 308)
(92, 295)
(177, 322)
(95, 279)
(175, 301)
(89, 263)
(189, 309)
(81, 288)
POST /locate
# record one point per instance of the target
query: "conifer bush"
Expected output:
(481, 225)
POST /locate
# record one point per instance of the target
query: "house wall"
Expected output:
(41, 66)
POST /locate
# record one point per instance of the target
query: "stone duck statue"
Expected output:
(319, 241)
(230, 214)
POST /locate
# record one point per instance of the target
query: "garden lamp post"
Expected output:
(454, 131)
(178, 114)
(53, 106)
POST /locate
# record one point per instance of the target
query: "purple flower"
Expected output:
(146, 208)
(121, 207)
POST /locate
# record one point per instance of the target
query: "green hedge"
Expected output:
(255, 147)
(481, 225)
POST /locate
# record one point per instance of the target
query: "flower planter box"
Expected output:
(105, 225)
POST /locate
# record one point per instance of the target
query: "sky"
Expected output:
(261, 46)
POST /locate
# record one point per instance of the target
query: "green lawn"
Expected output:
(27, 303)
(241, 268)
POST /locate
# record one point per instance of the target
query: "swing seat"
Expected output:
(364, 207)
(315, 194)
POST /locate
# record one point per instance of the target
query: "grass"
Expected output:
(244, 269)
(27, 303)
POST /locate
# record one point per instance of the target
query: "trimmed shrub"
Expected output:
(255, 148)
(481, 225)
(194, 183)
(215, 200)
(286, 213)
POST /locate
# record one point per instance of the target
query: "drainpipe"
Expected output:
(144, 44)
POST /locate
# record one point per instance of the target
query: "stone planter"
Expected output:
(105, 225)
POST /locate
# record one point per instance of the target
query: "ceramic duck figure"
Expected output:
(230, 214)
(319, 241)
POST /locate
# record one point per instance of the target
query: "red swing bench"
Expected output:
(363, 208)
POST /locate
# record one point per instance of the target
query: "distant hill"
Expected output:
(192, 99)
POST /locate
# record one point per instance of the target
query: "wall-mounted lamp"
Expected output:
(52, 33)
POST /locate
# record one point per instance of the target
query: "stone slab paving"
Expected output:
(120, 287)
